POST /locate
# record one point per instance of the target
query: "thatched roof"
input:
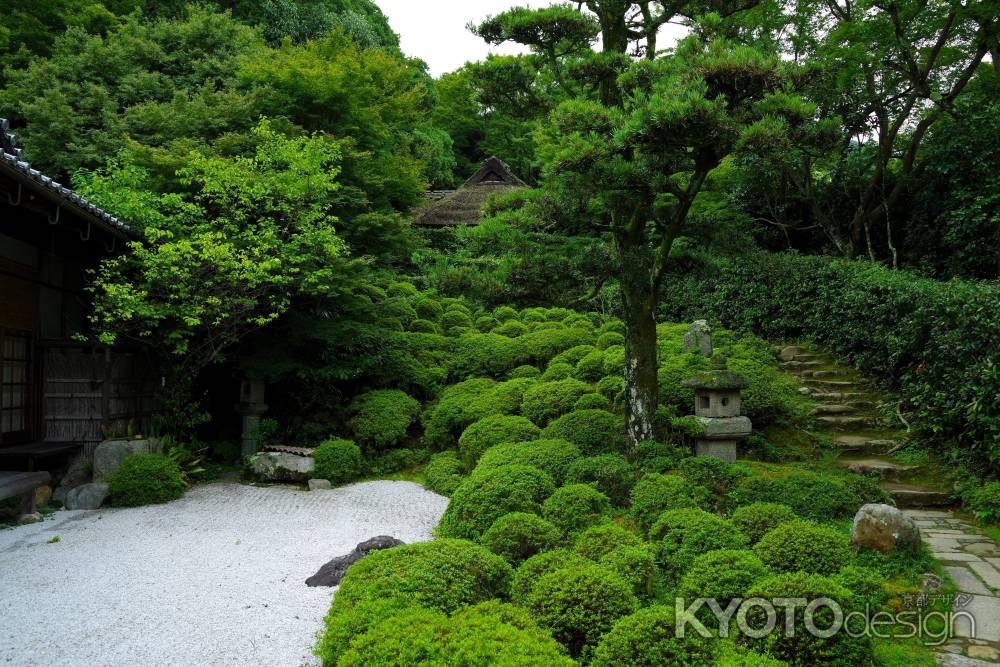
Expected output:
(464, 206)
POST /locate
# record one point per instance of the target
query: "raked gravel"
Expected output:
(215, 578)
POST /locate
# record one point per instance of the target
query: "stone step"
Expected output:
(845, 423)
(829, 374)
(844, 385)
(790, 352)
(909, 496)
(800, 365)
(864, 443)
(884, 469)
(850, 397)
(834, 409)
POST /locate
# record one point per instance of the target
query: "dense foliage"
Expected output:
(144, 479)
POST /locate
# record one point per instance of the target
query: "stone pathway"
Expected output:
(972, 561)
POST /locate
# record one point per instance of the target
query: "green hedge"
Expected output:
(934, 341)
(145, 479)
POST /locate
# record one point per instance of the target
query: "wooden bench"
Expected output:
(22, 484)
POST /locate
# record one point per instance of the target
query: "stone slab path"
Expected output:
(972, 561)
(215, 578)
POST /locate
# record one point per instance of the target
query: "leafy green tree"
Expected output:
(252, 236)
(645, 146)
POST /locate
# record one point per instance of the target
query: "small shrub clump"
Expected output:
(686, 534)
(338, 461)
(493, 430)
(511, 329)
(610, 474)
(579, 604)
(524, 372)
(591, 367)
(382, 418)
(985, 503)
(810, 495)
(556, 371)
(428, 309)
(487, 495)
(654, 456)
(608, 339)
(518, 536)
(592, 401)
(442, 574)
(551, 456)
(547, 400)
(804, 546)
(757, 519)
(537, 567)
(455, 319)
(636, 565)
(573, 355)
(443, 473)
(598, 541)
(723, 574)
(594, 431)
(647, 639)
(576, 507)
(654, 494)
(422, 326)
(145, 479)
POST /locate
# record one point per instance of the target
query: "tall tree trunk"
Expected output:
(639, 297)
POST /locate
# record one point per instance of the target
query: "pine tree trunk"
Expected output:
(639, 306)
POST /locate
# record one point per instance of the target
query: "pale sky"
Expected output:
(434, 30)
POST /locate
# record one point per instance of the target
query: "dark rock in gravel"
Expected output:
(331, 573)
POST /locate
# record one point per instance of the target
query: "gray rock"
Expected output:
(790, 353)
(34, 517)
(282, 467)
(331, 573)
(87, 497)
(725, 428)
(78, 472)
(885, 529)
(110, 454)
(699, 338)
(320, 485)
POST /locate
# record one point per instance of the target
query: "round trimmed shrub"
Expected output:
(504, 399)
(538, 566)
(487, 495)
(711, 473)
(451, 303)
(804, 546)
(594, 431)
(611, 386)
(610, 474)
(615, 325)
(443, 473)
(803, 648)
(578, 320)
(337, 460)
(557, 371)
(402, 289)
(524, 372)
(614, 360)
(598, 541)
(485, 324)
(636, 565)
(504, 314)
(815, 496)
(724, 574)
(576, 507)
(511, 329)
(654, 494)
(731, 655)
(647, 639)
(609, 339)
(442, 574)
(591, 367)
(686, 534)
(551, 456)
(547, 400)
(592, 401)
(532, 315)
(145, 479)
(653, 456)
(399, 310)
(455, 410)
(491, 431)
(579, 604)
(382, 418)
(539, 347)
(756, 519)
(500, 634)
(573, 355)
(345, 623)
(518, 536)
(455, 319)
(546, 326)
(428, 309)
(423, 326)
(865, 583)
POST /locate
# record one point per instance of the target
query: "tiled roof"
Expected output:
(13, 157)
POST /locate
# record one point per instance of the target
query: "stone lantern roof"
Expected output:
(716, 379)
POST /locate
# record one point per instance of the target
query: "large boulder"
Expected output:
(87, 497)
(282, 467)
(884, 528)
(698, 338)
(78, 472)
(110, 454)
(331, 573)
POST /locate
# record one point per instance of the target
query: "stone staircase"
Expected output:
(849, 413)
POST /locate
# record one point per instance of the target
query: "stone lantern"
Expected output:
(251, 407)
(717, 408)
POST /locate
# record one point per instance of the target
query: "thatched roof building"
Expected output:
(463, 206)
